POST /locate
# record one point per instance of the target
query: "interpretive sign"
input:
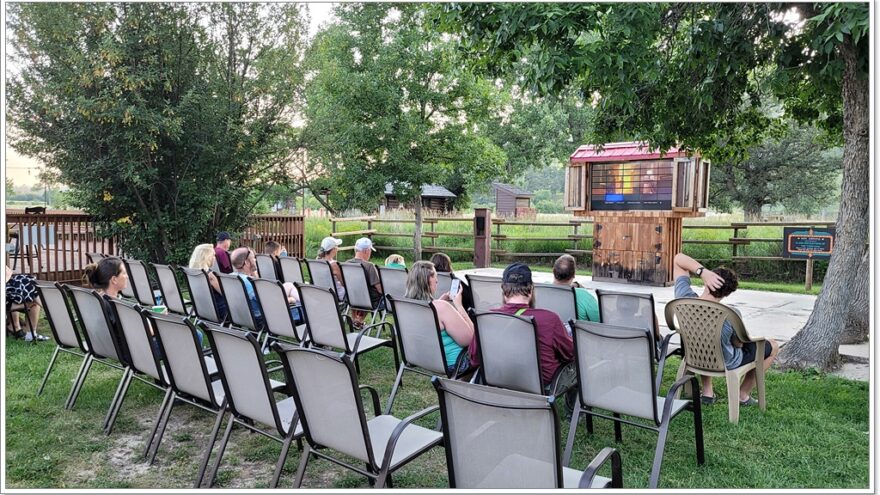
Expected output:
(801, 243)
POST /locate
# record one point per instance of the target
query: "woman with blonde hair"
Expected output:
(202, 258)
(456, 328)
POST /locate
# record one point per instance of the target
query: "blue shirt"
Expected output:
(732, 355)
(252, 298)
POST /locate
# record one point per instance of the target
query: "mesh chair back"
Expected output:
(200, 293)
(291, 269)
(58, 314)
(95, 257)
(99, 334)
(354, 276)
(486, 292)
(139, 280)
(498, 438)
(237, 300)
(244, 375)
(699, 325)
(418, 333)
(508, 348)
(135, 328)
(626, 309)
(266, 267)
(325, 390)
(615, 368)
(184, 362)
(557, 298)
(393, 281)
(444, 282)
(273, 301)
(322, 317)
(168, 284)
(322, 276)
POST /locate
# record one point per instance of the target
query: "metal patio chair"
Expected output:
(616, 373)
(486, 292)
(325, 388)
(444, 282)
(504, 439)
(327, 328)
(201, 292)
(169, 286)
(241, 313)
(631, 309)
(250, 395)
(560, 299)
(61, 324)
(357, 292)
(291, 269)
(393, 281)
(139, 280)
(266, 267)
(276, 311)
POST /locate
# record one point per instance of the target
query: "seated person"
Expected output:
(720, 283)
(244, 262)
(443, 264)
(564, 270)
(456, 327)
(363, 250)
(22, 296)
(202, 258)
(221, 251)
(327, 251)
(555, 345)
(395, 261)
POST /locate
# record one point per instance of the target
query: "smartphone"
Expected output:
(454, 288)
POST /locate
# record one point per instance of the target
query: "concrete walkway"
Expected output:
(775, 315)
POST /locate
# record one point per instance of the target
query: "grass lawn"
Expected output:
(814, 434)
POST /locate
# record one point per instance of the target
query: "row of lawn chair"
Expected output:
(617, 379)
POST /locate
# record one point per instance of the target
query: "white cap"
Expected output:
(364, 243)
(329, 243)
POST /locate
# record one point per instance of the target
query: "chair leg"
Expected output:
(394, 350)
(733, 397)
(169, 395)
(681, 369)
(394, 389)
(357, 364)
(759, 383)
(115, 407)
(285, 448)
(78, 382)
(49, 369)
(163, 423)
(213, 475)
(301, 470)
(618, 435)
(381, 479)
(698, 430)
(658, 454)
(572, 429)
(589, 420)
(211, 441)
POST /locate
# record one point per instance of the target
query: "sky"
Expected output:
(24, 171)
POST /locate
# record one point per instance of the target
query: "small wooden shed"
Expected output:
(434, 197)
(512, 201)
(637, 198)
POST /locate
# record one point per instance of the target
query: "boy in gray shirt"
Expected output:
(720, 283)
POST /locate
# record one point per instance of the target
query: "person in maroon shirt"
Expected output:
(554, 344)
(221, 250)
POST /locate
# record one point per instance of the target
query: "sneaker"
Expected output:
(38, 337)
(707, 401)
(748, 402)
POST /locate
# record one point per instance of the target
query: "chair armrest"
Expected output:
(600, 459)
(664, 350)
(560, 373)
(374, 396)
(357, 341)
(673, 392)
(398, 430)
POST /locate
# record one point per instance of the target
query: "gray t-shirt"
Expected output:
(732, 355)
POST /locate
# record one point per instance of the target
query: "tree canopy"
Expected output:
(164, 119)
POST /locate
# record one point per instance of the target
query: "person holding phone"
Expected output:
(456, 327)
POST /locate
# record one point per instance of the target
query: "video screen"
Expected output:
(631, 186)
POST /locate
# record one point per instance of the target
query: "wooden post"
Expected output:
(575, 226)
(808, 283)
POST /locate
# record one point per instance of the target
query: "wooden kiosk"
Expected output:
(637, 199)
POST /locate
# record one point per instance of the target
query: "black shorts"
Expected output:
(750, 349)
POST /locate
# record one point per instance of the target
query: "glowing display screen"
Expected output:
(631, 186)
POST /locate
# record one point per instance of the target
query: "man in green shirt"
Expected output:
(564, 270)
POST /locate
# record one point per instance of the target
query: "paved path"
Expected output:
(773, 314)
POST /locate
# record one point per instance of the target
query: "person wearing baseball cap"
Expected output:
(555, 345)
(327, 252)
(363, 250)
(221, 251)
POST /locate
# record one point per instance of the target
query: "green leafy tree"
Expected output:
(10, 187)
(795, 170)
(693, 74)
(163, 119)
(390, 102)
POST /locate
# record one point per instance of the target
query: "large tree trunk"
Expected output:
(417, 234)
(816, 344)
(858, 324)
